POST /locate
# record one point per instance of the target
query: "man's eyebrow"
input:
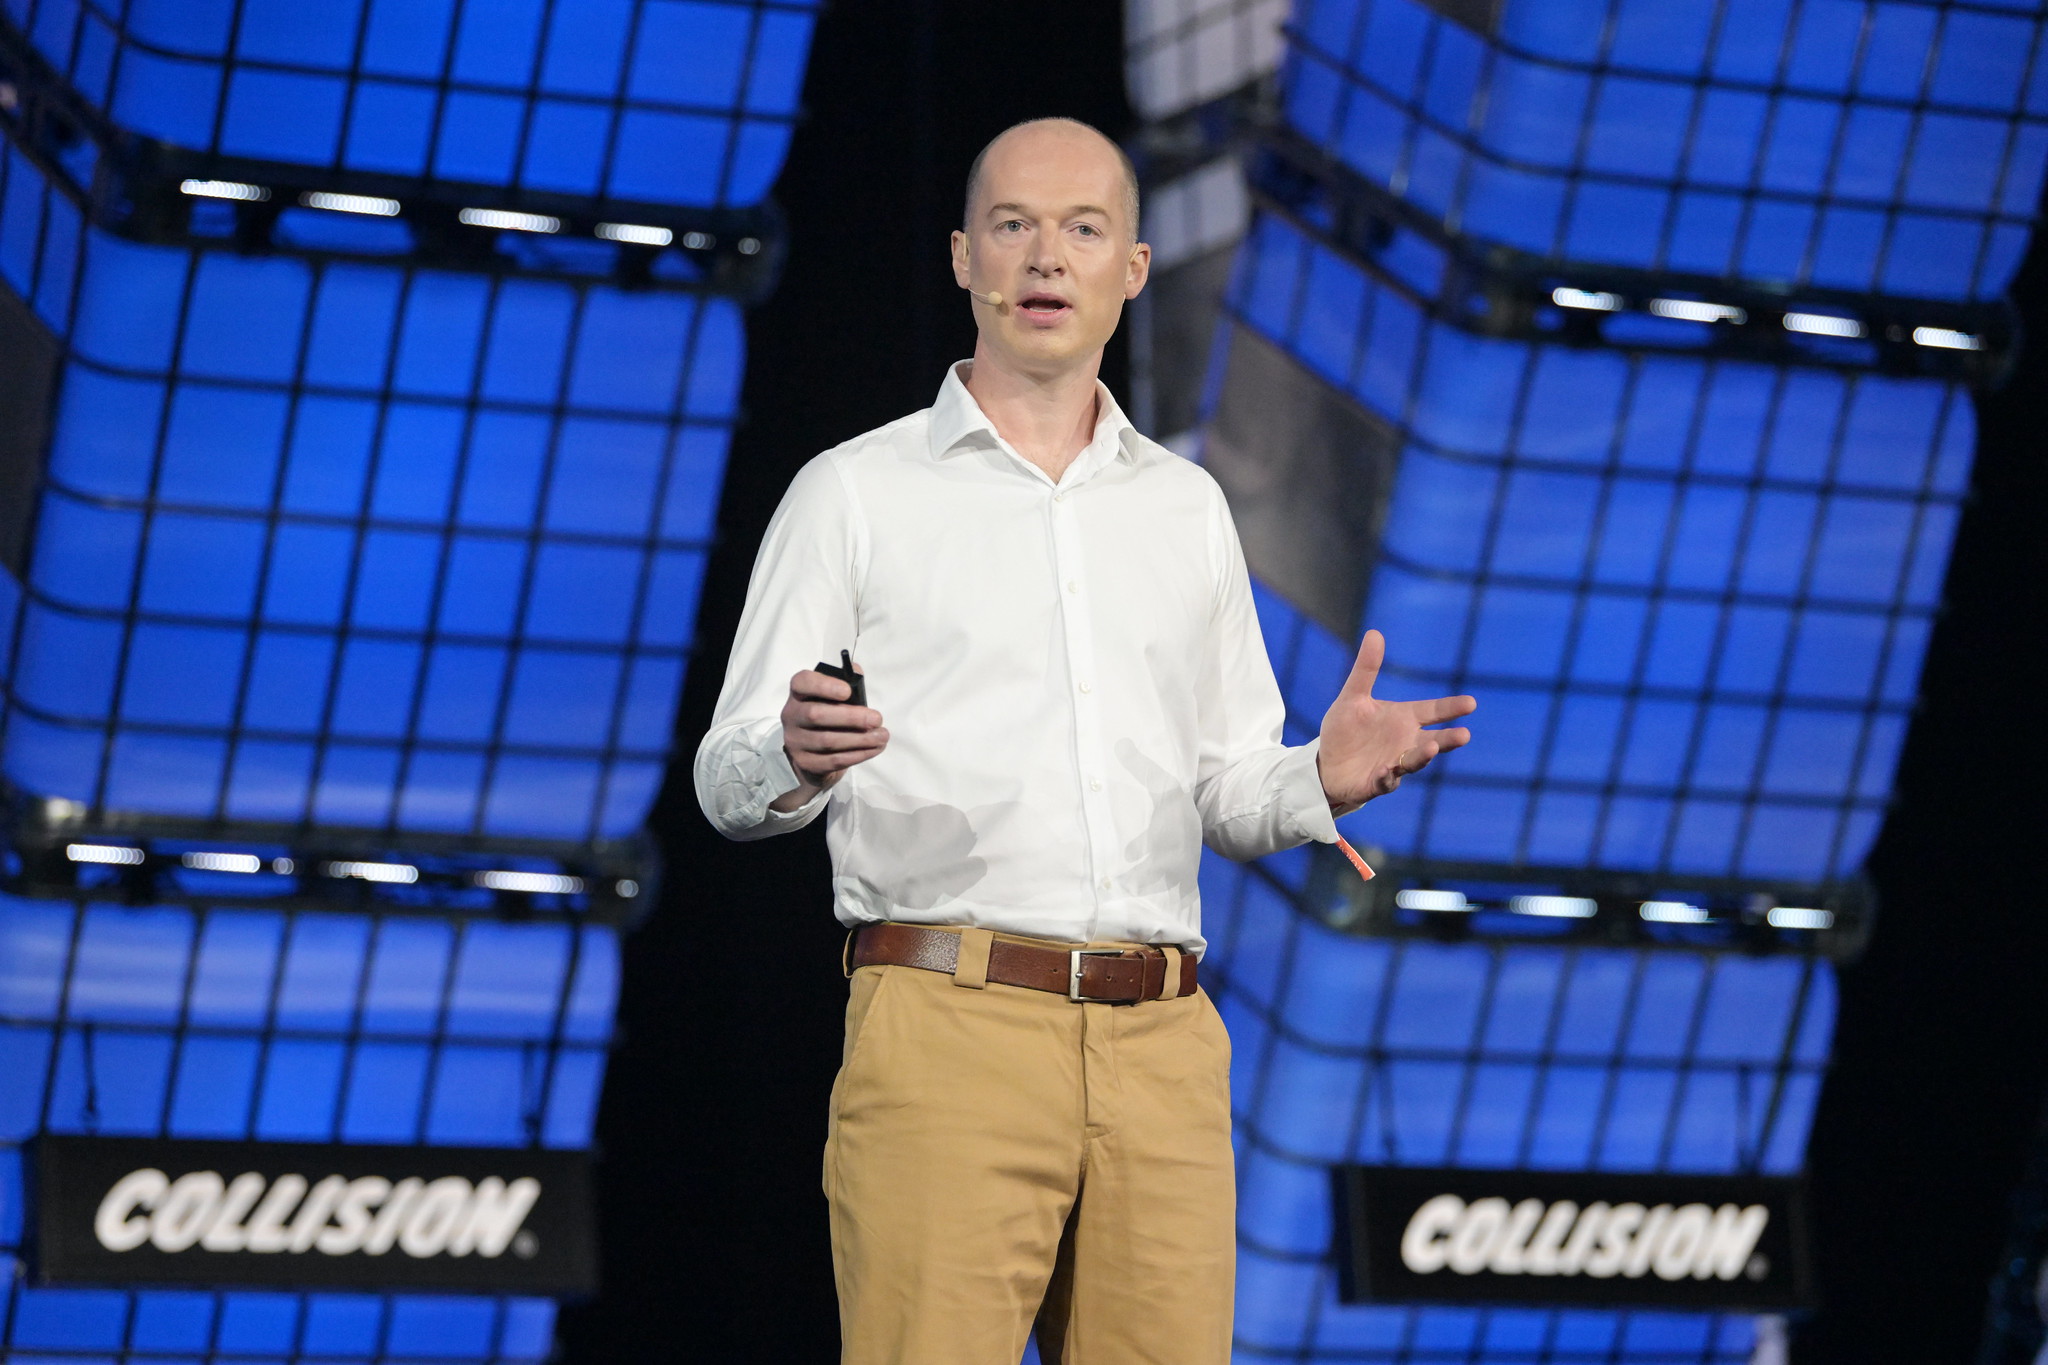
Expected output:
(1075, 212)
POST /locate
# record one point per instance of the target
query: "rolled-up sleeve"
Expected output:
(801, 608)
(1255, 794)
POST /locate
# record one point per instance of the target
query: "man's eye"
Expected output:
(1090, 230)
(1007, 226)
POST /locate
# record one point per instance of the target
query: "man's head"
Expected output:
(1051, 225)
(1069, 127)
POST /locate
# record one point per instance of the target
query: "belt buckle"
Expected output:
(1074, 957)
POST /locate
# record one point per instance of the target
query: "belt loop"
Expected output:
(1169, 988)
(846, 952)
(970, 969)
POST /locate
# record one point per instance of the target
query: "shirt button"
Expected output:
(1073, 586)
(1086, 688)
(1059, 497)
(1095, 785)
(1105, 883)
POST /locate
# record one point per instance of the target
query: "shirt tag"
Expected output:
(1356, 861)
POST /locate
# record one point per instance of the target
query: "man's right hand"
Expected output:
(824, 736)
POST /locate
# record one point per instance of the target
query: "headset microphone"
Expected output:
(993, 298)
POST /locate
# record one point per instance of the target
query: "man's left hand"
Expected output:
(1369, 745)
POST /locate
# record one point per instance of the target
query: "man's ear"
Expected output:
(960, 258)
(1137, 270)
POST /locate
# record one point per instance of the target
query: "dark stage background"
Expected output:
(713, 1115)
(713, 1121)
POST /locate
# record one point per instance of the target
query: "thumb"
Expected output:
(1365, 670)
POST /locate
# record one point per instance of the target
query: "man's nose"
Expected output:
(1045, 256)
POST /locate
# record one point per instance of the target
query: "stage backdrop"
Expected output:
(368, 373)
(1614, 358)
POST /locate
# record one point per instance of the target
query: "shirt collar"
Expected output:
(956, 418)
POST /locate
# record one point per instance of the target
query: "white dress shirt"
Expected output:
(1071, 673)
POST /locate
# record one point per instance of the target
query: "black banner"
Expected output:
(1414, 1235)
(311, 1215)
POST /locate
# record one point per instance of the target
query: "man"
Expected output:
(1054, 614)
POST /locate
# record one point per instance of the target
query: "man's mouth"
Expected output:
(1043, 305)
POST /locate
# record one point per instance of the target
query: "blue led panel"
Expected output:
(687, 102)
(153, 1021)
(355, 544)
(1890, 147)
(1487, 1054)
(1689, 572)
(1693, 593)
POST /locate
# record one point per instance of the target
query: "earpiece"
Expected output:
(993, 298)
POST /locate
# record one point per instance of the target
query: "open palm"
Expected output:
(1369, 745)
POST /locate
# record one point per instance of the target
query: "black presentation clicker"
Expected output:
(843, 671)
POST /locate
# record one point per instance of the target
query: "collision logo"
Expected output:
(1533, 1237)
(494, 1220)
(1446, 1235)
(334, 1216)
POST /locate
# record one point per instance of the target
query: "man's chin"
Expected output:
(1052, 349)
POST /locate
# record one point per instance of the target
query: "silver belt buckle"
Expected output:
(1074, 957)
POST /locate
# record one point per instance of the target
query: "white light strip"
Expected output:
(223, 189)
(1946, 339)
(1823, 325)
(223, 862)
(749, 245)
(350, 203)
(510, 221)
(375, 872)
(103, 853)
(1673, 912)
(636, 234)
(537, 883)
(1692, 310)
(629, 888)
(1799, 917)
(1554, 907)
(1441, 902)
(1591, 299)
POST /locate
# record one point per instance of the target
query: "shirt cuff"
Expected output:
(1302, 795)
(781, 775)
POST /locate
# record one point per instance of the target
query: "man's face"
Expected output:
(1050, 231)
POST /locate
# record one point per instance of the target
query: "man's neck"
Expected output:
(1048, 419)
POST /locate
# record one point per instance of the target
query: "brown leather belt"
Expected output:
(1118, 976)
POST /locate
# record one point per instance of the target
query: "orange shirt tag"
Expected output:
(1356, 861)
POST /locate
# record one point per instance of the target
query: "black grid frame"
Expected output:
(1322, 42)
(57, 285)
(204, 1022)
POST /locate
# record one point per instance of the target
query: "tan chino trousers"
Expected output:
(998, 1155)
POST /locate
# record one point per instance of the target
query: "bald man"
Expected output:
(1031, 1121)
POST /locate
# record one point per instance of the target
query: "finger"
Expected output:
(1414, 760)
(818, 715)
(821, 764)
(811, 685)
(1447, 740)
(1439, 709)
(856, 749)
(835, 741)
(1365, 669)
